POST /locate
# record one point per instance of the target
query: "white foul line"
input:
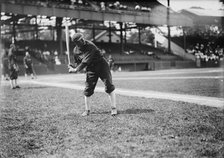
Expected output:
(200, 100)
(166, 78)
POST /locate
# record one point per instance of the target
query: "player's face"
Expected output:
(79, 43)
(14, 47)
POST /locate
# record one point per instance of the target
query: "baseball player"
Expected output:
(13, 67)
(87, 55)
(5, 65)
(28, 64)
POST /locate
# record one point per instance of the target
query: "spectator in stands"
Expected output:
(197, 47)
(208, 55)
(5, 65)
(80, 2)
(219, 52)
(46, 56)
(73, 2)
(56, 58)
(51, 62)
(137, 7)
(111, 6)
(87, 55)
(13, 67)
(145, 9)
(123, 7)
(202, 48)
(28, 64)
(117, 5)
(103, 52)
(111, 62)
(102, 6)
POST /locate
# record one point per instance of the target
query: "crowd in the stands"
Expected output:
(86, 4)
(207, 54)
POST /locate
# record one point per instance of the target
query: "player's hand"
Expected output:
(71, 69)
(70, 66)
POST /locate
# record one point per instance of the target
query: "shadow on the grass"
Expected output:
(39, 87)
(128, 111)
(136, 111)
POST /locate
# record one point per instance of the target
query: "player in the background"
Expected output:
(28, 64)
(88, 56)
(5, 65)
(111, 62)
(13, 67)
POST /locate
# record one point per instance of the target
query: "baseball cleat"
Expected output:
(113, 112)
(86, 113)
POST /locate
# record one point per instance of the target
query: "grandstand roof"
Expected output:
(156, 16)
(201, 16)
(205, 12)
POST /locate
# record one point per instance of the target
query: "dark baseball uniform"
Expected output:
(89, 56)
(5, 64)
(28, 62)
(13, 67)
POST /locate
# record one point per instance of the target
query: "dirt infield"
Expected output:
(41, 121)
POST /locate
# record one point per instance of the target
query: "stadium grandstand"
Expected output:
(130, 31)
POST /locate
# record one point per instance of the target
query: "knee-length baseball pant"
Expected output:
(93, 73)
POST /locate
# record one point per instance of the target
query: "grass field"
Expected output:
(41, 121)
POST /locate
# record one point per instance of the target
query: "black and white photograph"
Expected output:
(112, 79)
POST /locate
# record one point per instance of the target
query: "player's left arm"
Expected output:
(86, 60)
(89, 55)
(82, 65)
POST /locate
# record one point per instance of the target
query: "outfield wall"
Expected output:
(138, 66)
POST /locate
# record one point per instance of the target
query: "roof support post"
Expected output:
(13, 29)
(110, 40)
(94, 34)
(184, 34)
(121, 37)
(125, 34)
(59, 34)
(168, 26)
(139, 35)
(36, 29)
(0, 41)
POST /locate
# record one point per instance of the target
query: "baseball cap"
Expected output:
(12, 45)
(77, 37)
